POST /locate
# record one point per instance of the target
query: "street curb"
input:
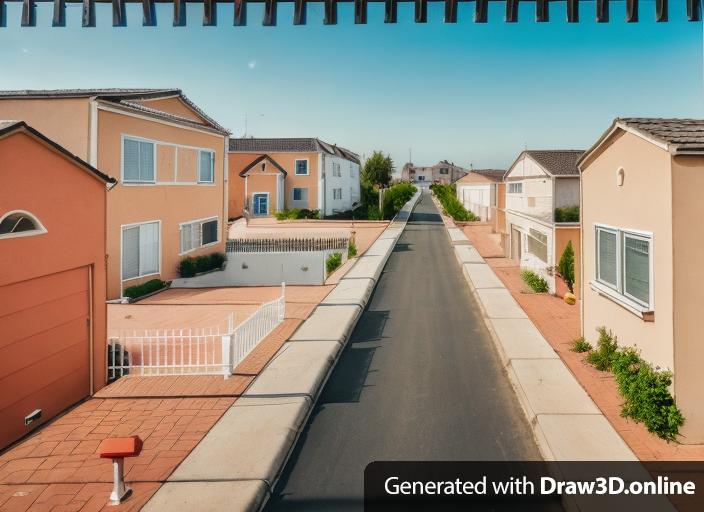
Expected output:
(545, 441)
(164, 498)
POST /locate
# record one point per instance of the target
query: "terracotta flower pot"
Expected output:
(570, 298)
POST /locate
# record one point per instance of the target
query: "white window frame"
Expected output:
(154, 143)
(40, 230)
(199, 223)
(158, 272)
(618, 292)
(295, 167)
(334, 191)
(336, 170)
(212, 160)
(516, 185)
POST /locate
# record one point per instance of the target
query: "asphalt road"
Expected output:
(419, 380)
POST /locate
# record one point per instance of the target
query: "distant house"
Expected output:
(442, 172)
(641, 205)
(478, 192)
(168, 157)
(52, 279)
(269, 175)
(539, 185)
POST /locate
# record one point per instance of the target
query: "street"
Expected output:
(419, 380)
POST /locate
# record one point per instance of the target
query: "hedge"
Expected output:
(333, 262)
(140, 290)
(297, 213)
(447, 195)
(534, 281)
(190, 266)
(567, 214)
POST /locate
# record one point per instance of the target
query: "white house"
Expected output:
(538, 183)
(478, 190)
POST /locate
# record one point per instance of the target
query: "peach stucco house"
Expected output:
(269, 175)
(170, 161)
(641, 203)
(52, 279)
(478, 191)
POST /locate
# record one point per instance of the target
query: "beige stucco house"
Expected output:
(442, 172)
(641, 205)
(170, 162)
(478, 191)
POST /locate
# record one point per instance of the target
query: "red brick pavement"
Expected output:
(560, 324)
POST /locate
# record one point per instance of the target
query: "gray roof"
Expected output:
(125, 98)
(682, 135)
(558, 162)
(292, 145)
(492, 174)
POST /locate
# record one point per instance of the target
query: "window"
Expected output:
(623, 261)
(300, 194)
(140, 250)
(337, 193)
(351, 170)
(138, 161)
(198, 233)
(444, 170)
(538, 244)
(336, 171)
(515, 188)
(206, 167)
(301, 167)
(260, 201)
(20, 223)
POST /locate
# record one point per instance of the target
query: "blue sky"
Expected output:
(467, 92)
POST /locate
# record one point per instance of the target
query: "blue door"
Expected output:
(261, 204)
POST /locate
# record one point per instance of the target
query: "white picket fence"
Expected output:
(192, 351)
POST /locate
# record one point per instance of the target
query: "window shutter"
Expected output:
(130, 252)
(130, 162)
(149, 248)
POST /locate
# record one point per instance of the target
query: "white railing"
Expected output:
(254, 329)
(277, 243)
(198, 351)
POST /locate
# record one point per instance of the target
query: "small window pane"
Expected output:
(207, 167)
(607, 257)
(301, 166)
(149, 248)
(17, 223)
(637, 268)
(130, 252)
(131, 160)
(210, 232)
(146, 161)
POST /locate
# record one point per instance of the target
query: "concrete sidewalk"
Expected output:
(566, 423)
(237, 464)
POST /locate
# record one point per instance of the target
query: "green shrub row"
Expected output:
(297, 213)
(567, 214)
(646, 390)
(189, 266)
(333, 262)
(447, 195)
(140, 290)
(534, 281)
(396, 196)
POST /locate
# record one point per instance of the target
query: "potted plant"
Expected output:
(565, 269)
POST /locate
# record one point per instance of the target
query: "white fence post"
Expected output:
(226, 356)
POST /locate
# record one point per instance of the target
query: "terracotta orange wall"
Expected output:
(71, 205)
(238, 161)
(644, 202)
(263, 182)
(562, 236)
(170, 203)
(65, 121)
(687, 212)
(172, 106)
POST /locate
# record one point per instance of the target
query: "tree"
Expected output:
(566, 266)
(378, 169)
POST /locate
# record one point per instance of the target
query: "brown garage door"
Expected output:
(44, 348)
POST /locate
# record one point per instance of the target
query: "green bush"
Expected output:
(567, 214)
(351, 249)
(647, 394)
(602, 357)
(333, 262)
(190, 266)
(373, 212)
(566, 266)
(139, 290)
(396, 197)
(296, 213)
(580, 345)
(534, 281)
(447, 195)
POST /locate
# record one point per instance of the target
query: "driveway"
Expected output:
(419, 380)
